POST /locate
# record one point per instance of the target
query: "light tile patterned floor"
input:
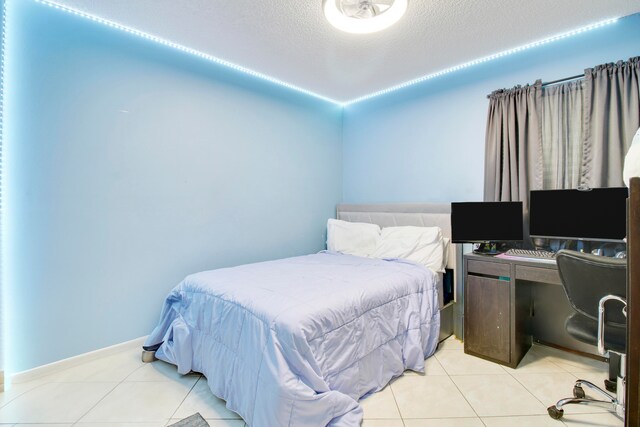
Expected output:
(457, 390)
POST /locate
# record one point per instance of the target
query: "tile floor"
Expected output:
(457, 391)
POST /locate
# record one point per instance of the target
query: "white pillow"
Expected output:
(422, 245)
(355, 238)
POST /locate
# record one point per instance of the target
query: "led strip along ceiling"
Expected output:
(484, 59)
(186, 49)
(278, 82)
(4, 306)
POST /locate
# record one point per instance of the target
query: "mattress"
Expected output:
(296, 342)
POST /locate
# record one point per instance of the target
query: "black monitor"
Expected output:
(593, 214)
(479, 222)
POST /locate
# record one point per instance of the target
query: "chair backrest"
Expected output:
(586, 278)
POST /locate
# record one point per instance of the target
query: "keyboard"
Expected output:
(533, 255)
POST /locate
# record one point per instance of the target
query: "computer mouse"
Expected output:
(621, 254)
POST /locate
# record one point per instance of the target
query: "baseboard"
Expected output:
(52, 368)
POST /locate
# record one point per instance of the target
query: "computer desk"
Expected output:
(510, 303)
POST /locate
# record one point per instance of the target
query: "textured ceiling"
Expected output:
(290, 40)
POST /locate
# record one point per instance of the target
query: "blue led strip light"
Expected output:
(484, 59)
(313, 94)
(186, 49)
(3, 249)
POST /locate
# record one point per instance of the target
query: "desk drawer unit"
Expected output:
(487, 317)
(538, 274)
(488, 268)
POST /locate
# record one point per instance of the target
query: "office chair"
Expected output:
(591, 283)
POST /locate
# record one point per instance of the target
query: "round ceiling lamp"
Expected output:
(364, 16)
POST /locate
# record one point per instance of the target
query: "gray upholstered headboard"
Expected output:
(387, 215)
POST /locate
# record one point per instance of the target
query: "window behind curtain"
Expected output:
(562, 134)
(588, 125)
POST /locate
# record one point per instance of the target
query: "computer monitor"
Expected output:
(480, 222)
(595, 214)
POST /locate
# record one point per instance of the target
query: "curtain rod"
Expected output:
(563, 80)
(542, 85)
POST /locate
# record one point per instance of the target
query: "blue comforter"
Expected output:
(296, 342)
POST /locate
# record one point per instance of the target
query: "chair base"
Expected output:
(614, 404)
(614, 370)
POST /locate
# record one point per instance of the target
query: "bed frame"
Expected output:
(422, 215)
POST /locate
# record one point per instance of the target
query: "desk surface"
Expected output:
(514, 260)
(523, 269)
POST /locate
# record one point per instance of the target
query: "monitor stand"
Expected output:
(489, 248)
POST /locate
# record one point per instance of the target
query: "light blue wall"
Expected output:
(129, 165)
(426, 143)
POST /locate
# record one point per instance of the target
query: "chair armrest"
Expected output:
(601, 304)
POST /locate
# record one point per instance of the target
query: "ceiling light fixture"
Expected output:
(364, 16)
(250, 72)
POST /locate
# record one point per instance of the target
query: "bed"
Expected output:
(421, 215)
(297, 342)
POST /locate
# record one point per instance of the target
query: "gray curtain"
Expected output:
(513, 151)
(612, 116)
(562, 134)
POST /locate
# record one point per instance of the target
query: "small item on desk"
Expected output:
(610, 249)
(489, 248)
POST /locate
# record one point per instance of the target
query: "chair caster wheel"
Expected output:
(554, 412)
(578, 392)
(611, 386)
